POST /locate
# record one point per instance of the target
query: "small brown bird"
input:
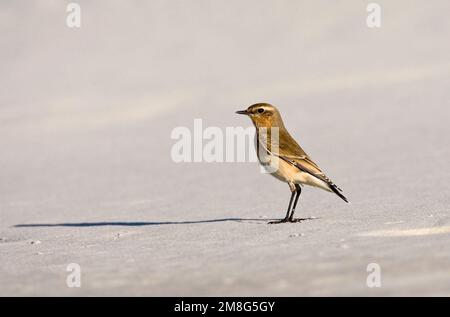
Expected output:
(293, 165)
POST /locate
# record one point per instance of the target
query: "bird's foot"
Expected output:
(286, 220)
(278, 221)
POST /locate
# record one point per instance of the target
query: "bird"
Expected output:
(293, 165)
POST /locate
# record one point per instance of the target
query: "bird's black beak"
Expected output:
(242, 112)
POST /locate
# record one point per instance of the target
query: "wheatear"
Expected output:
(294, 166)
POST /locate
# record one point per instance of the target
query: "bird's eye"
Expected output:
(260, 110)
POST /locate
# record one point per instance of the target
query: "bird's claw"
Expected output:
(277, 221)
(285, 220)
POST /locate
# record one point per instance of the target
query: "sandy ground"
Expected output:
(86, 174)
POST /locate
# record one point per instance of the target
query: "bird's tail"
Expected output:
(338, 192)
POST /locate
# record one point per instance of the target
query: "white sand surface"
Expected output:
(86, 174)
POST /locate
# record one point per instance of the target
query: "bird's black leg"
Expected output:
(298, 191)
(286, 219)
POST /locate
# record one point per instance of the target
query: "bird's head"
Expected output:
(263, 115)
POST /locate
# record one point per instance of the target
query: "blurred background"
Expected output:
(86, 174)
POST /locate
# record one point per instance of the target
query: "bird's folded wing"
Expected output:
(305, 164)
(293, 154)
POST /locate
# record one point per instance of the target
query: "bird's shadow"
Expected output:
(141, 223)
